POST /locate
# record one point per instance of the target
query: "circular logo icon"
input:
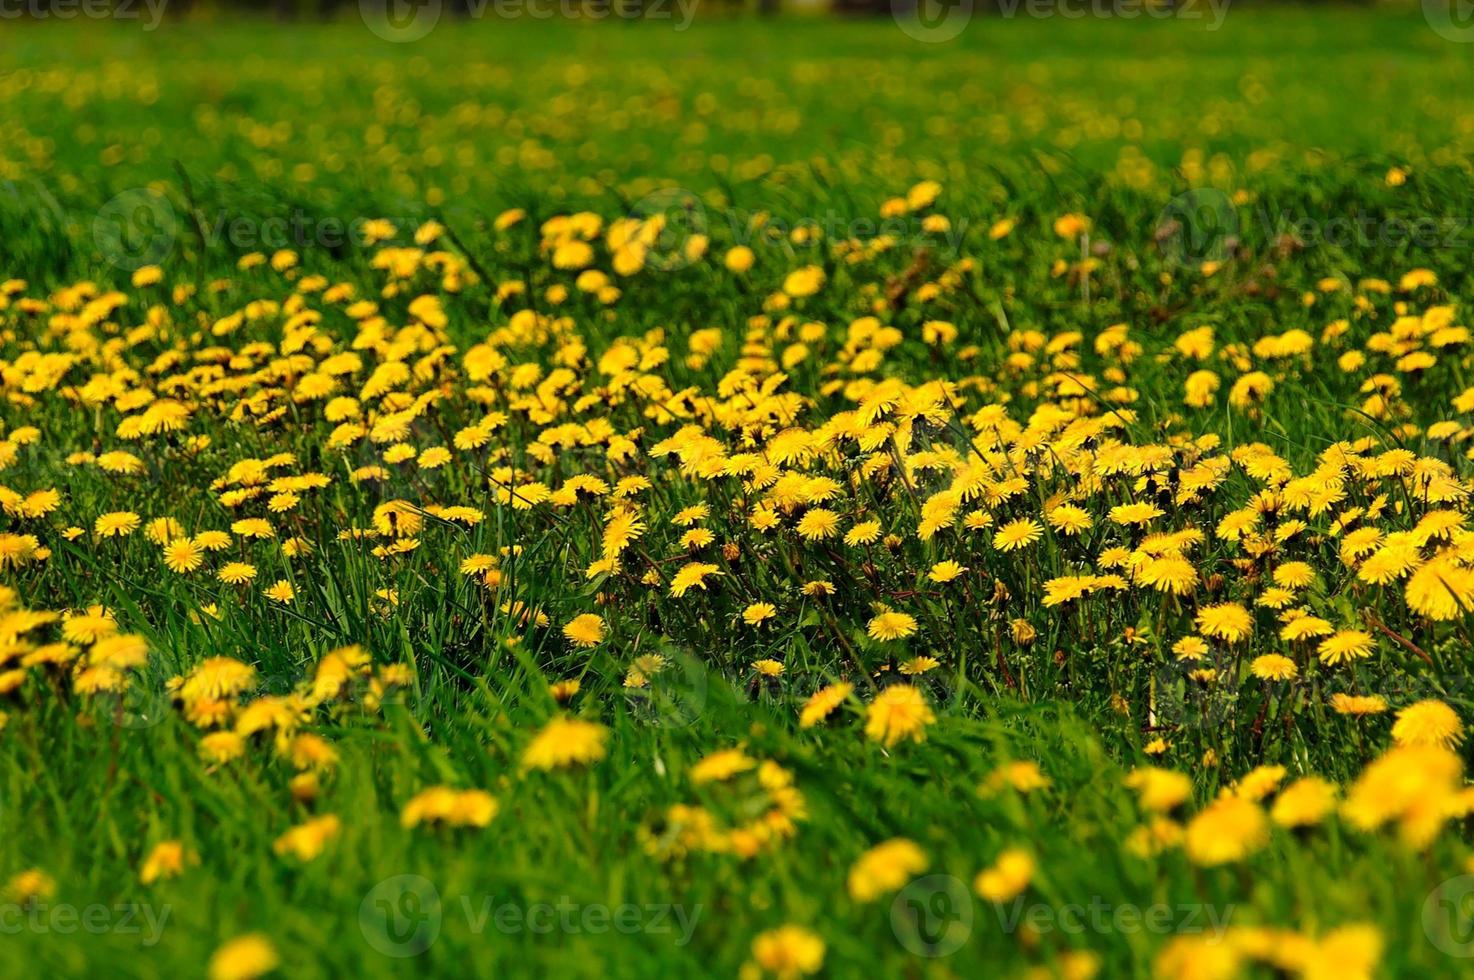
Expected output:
(673, 698)
(400, 21)
(1452, 20)
(1198, 226)
(135, 229)
(142, 704)
(932, 916)
(1181, 702)
(401, 916)
(672, 223)
(932, 21)
(1448, 916)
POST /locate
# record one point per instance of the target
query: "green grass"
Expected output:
(201, 127)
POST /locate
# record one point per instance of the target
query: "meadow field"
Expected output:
(735, 498)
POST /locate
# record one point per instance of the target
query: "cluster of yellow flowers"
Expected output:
(790, 475)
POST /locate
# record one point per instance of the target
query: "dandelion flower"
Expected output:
(1345, 646)
(1008, 876)
(1429, 722)
(946, 571)
(236, 572)
(885, 868)
(759, 613)
(899, 712)
(244, 958)
(891, 625)
(1017, 534)
(116, 524)
(821, 703)
(586, 630)
(1228, 621)
(790, 951)
(1273, 667)
(183, 556)
(1228, 829)
(565, 742)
